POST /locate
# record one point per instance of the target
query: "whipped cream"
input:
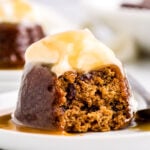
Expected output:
(72, 50)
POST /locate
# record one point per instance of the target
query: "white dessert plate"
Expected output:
(126, 139)
(9, 80)
(134, 22)
(10, 75)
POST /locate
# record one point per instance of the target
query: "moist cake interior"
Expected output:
(94, 101)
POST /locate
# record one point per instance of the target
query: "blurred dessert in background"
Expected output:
(145, 4)
(14, 39)
(22, 11)
(22, 23)
(18, 29)
(27, 20)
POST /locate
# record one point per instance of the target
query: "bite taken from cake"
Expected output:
(73, 83)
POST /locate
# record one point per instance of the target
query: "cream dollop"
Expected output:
(72, 50)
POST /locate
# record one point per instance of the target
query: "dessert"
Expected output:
(14, 39)
(74, 83)
(145, 4)
(18, 29)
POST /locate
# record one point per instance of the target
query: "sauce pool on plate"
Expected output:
(7, 124)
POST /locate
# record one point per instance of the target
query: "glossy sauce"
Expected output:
(7, 124)
(141, 126)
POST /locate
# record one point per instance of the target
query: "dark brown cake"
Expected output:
(145, 4)
(14, 39)
(76, 101)
(73, 83)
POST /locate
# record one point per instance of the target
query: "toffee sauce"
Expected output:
(7, 124)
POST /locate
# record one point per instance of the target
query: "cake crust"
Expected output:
(38, 98)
